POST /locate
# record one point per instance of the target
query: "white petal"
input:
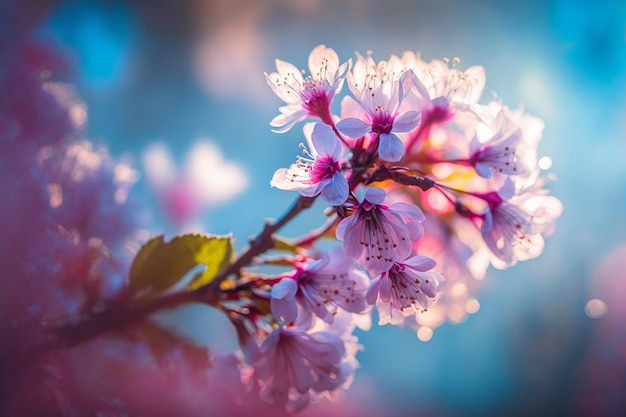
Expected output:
(284, 179)
(321, 56)
(290, 73)
(340, 76)
(421, 89)
(289, 116)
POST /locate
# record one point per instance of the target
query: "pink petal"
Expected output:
(420, 263)
(384, 292)
(411, 211)
(284, 309)
(372, 292)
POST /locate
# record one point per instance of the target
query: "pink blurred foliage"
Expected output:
(66, 220)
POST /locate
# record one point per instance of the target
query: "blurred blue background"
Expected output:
(176, 72)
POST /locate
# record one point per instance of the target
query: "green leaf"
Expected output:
(158, 265)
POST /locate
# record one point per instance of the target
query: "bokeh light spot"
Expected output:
(472, 306)
(545, 162)
(595, 308)
(424, 333)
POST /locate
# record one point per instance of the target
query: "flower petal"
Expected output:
(372, 292)
(290, 73)
(411, 211)
(406, 121)
(420, 263)
(375, 195)
(322, 57)
(336, 190)
(390, 148)
(351, 244)
(286, 288)
(354, 128)
(384, 292)
(324, 141)
(483, 169)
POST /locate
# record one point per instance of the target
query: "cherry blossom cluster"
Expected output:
(423, 181)
(425, 186)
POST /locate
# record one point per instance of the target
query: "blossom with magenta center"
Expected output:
(320, 287)
(378, 235)
(436, 80)
(319, 171)
(514, 228)
(310, 96)
(443, 92)
(379, 93)
(408, 286)
(500, 151)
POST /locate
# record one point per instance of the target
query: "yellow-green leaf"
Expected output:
(216, 255)
(283, 244)
(158, 265)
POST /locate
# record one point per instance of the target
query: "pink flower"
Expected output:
(376, 234)
(440, 86)
(502, 150)
(379, 93)
(294, 365)
(514, 229)
(310, 96)
(320, 171)
(407, 286)
(320, 287)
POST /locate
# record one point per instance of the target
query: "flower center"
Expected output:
(382, 122)
(440, 112)
(316, 100)
(324, 168)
